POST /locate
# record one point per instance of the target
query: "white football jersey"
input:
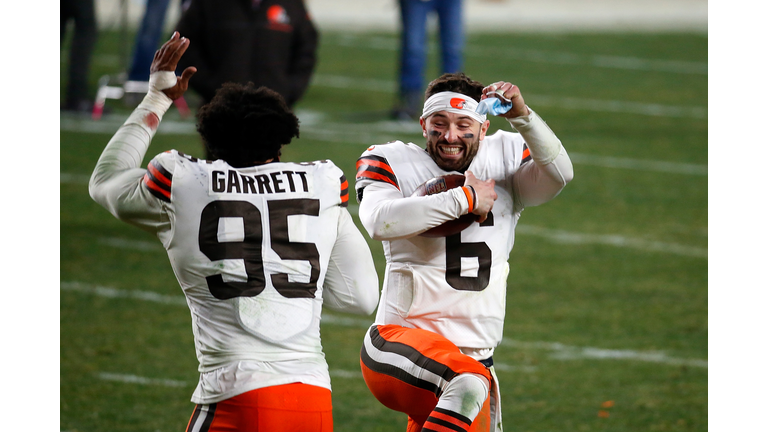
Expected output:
(257, 251)
(245, 241)
(454, 286)
(250, 248)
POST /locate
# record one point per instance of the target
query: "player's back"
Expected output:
(250, 248)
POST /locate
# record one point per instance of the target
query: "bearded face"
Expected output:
(453, 139)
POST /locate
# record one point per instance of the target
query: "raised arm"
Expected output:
(116, 179)
(538, 182)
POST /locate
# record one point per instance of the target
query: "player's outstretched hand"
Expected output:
(166, 59)
(510, 92)
(485, 194)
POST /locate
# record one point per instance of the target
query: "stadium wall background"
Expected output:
(481, 15)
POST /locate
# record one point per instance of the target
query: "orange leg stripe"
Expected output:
(345, 185)
(433, 427)
(435, 347)
(192, 417)
(449, 419)
(400, 396)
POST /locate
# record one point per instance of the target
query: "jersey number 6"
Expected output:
(455, 250)
(249, 250)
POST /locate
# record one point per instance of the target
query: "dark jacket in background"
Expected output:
(271, 44)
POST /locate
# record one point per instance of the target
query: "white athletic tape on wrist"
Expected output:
(452, 102)
(155, 100)
(162, 80)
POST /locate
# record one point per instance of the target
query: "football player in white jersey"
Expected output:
(258, 246)
(441, 313)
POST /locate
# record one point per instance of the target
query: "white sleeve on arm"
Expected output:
(538, 182)
(116, 181)
(387, 215)
(351, 283)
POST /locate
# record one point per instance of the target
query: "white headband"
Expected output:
(452, 102)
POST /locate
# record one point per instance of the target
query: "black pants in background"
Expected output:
(82, 12)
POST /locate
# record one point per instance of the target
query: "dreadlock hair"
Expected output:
(455, 82)
(244, 125)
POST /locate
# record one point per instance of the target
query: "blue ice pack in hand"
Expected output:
(493, 105)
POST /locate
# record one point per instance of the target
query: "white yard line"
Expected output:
(553, 235)
(333, 135)
(567, 237)
(624, 107)
(578, 104)
(560, 236)
(639, 164)
(110, 292)
(138, 245)
(71, 178)
(565, 352)
(560, 351)
(340, 373)
(334, 373)
(541, 56)
(133, 379)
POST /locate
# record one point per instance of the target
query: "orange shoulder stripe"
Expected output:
(152, 185)
(374, 163)
(377, 176)
(158, 175)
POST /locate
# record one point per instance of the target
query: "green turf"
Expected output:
(640, 300)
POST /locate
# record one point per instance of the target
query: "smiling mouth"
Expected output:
(450, 151)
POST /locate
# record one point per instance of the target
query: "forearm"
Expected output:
(387, 215)
(351, 283)
(118, 168)
(538, 182)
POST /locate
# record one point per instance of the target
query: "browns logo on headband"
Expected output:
(452, 102)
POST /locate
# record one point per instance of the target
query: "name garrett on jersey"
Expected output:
(231, 181)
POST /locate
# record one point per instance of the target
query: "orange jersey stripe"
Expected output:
(158, 175)
(152, 185)
(344, 193)
(377, 176)
(526, 153)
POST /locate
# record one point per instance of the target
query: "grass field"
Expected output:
(606, 326)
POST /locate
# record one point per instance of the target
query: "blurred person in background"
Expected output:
(82, 14)
(271, 43)
(147, 39)
(259, 246)
(414, 44)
